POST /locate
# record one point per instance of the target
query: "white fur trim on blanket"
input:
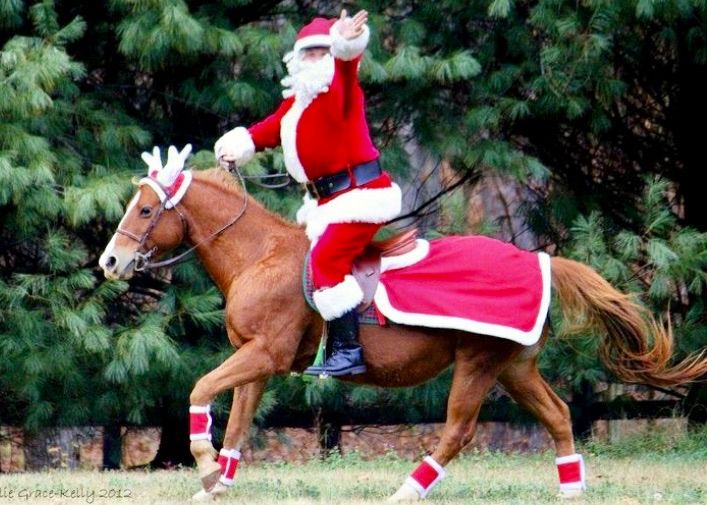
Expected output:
(420, 252)
(360, 205)
(348, 49)
(337, 300)
(239, 142)
(431, 321)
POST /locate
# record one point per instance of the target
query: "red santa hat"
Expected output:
(315, 34)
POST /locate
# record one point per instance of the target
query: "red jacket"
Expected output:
(329, 135)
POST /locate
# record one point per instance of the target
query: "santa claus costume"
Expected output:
(321, 125)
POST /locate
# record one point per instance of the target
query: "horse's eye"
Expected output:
(145, 211)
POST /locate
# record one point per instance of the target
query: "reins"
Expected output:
(231, 167)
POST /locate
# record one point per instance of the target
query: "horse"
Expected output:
(255, 257)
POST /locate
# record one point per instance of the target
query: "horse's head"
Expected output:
(152, 224)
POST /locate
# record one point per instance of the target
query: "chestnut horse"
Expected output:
(257, 264)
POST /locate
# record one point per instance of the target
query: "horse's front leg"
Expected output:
(246, 399)
(252, 362)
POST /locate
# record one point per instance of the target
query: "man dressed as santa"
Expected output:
(321, 126)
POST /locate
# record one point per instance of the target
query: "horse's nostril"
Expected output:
(111, 262)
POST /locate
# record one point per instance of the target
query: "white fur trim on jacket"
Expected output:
(239, 143)
(337, 300)
(348, 49)
(309, 204)
(360, 205)
(288, 140)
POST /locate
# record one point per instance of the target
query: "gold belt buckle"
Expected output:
(312, 189)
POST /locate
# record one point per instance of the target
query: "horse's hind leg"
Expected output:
(477, 363)
(245, 402)
(524, 383)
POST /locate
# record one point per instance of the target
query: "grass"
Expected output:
(660, 469)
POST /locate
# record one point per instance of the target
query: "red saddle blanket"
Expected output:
(471, 283)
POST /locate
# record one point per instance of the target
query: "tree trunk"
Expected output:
(582, 412)
(691, 102)
(695, 406)
(329, 435)
(174, 443)
(58, 448)
(112, 447)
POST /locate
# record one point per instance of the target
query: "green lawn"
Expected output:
(635, 472)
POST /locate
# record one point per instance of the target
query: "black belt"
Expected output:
(349, 178)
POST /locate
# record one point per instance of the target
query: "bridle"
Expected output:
(143, 257)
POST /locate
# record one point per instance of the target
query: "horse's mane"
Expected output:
(217, 177)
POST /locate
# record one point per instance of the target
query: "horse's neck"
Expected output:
(248, 240)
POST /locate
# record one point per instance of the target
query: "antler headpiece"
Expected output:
(170, 181)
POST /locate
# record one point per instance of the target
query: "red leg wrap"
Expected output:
(425, 476)
(571, 472)
(228, 459)
(200, 422)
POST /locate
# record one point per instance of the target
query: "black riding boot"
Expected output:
(346, 353)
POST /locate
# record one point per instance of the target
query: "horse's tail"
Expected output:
(635, 347)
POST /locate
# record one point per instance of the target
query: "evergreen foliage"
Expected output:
(586, 102)
(662, 263)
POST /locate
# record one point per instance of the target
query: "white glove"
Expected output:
(236, 145)
(303, 212)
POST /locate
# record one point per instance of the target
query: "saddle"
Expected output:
(367, 267)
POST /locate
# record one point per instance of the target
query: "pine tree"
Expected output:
(662, 264)
(579, 100)
(76, 349)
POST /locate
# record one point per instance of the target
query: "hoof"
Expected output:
(570, 494)
(205, 456)
(210, 480)
(217, 491)
(202, 496)
(405, 493)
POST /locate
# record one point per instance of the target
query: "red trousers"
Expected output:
(336, 249)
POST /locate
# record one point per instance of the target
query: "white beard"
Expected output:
(306, 79)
